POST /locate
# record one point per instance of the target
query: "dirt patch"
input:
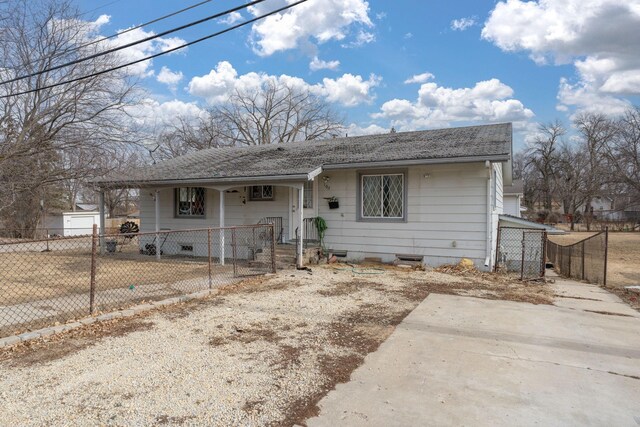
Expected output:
(165, 419)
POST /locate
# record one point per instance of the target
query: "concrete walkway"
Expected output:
(468, 361)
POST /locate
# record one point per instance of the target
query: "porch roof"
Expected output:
(302, 160)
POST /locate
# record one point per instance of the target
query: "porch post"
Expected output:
(301, 213)
(157, 220)
(221, 227)
(103, 220)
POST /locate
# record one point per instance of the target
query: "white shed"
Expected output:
(72, 223)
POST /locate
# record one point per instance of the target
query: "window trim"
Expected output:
(176, 201)
(405, 195)
(262, 199)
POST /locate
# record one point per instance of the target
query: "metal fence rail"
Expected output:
(521, 250)
(57, 279)
(583, 260)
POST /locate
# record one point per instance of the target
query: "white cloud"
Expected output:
(600, 38)
(152, 115)
(350, 90)
(231, 19)
(363, 37)
(224, 80)
(321, 21)
(170, 78)
(101, 20)
(462, 24)
(437, 106)
(408, 36)
(373, 129)
(139, 51)
(419, 78)
(318, 64)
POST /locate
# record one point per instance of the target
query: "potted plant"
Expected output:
(333, 202)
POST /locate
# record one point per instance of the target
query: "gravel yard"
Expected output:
(262, 352)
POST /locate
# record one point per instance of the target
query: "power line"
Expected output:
(146, 39)
(216, 34)
(76, 48)
(153, 21)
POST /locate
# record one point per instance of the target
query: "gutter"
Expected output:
(417, 162)
(205, 181)
(487, 261)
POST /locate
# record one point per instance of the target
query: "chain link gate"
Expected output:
(521, 250)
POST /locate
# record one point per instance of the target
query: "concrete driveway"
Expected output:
(467, 361)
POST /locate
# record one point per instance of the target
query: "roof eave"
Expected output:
(417, 162)
(205, 181)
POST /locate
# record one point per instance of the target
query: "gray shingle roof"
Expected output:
(291, 159)
(515, 188)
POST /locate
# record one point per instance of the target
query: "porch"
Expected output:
(290, 206)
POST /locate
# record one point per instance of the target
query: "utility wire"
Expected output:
(146, 39)
(75, 48)
(216, 34)
(153, 21)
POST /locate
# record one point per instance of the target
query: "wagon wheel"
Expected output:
(129, 228)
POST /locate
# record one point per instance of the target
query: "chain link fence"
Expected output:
(57, 279)
(583, 260)
(521, 250)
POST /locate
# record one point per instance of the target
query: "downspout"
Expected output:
(487, 260)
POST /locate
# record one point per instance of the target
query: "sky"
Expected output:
(407, 64)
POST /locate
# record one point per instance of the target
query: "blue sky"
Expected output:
(408, 64)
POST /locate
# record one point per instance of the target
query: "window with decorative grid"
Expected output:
(261, 192)
(382, 196)
(190, 201)
(308, 195)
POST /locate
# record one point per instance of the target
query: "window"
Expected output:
(190, 201)
(308, 195)
(261, 192)
(382, 196)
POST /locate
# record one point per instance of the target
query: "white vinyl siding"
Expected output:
(444, 204)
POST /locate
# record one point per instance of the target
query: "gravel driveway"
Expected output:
(263, 352)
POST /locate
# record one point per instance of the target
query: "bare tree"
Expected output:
(39, 130)
(597, 132)
(571, 177)
(623, 153)
(276, 113)
(542, 158)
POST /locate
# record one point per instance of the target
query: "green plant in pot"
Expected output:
(321, 227)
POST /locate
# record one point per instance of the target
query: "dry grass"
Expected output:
(29, 276)
(624, 256)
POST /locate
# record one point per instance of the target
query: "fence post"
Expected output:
(92, 285)
(234, 252)
(273, 248)
(209, 254)
(570, 257)
(583, 260)
(46, 236)
(606, 255)
(522, 262)
(543, 271)
(495, 267)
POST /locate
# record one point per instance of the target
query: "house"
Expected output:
(513, 195)
(433, 195)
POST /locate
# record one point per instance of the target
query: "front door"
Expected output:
(310, 205)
